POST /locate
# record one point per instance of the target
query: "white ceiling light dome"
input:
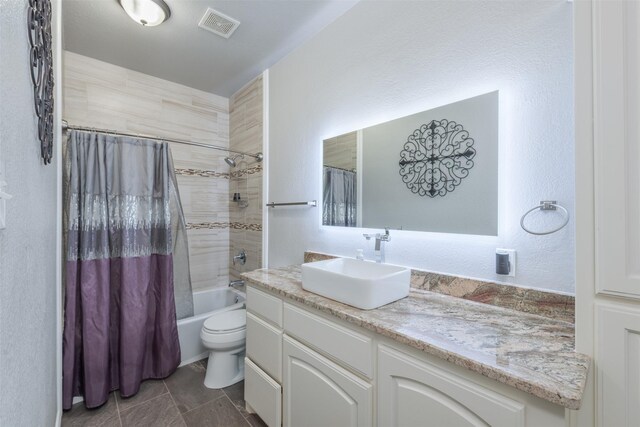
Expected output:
(148, 13)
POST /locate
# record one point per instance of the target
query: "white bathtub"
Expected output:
(205, 303)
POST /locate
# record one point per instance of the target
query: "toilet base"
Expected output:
(224, 369)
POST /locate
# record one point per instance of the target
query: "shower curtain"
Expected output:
(126, 266)
(339, 206)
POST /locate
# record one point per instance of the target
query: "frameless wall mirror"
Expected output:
(436, 171)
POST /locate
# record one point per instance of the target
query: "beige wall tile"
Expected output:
(209, 258)
(341, 151)
(246, 113)
(102, 95)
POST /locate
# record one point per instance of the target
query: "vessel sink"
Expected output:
(362, 284)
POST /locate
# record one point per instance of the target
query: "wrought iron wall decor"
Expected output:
(436, 158)
(41, 62)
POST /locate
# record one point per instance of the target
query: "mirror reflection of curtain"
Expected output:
(340, 200)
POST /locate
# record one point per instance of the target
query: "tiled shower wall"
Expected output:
(101, 95)
(246, 107)
(341, 151)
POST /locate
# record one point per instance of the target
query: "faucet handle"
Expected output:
(378, 236)
(241, 257)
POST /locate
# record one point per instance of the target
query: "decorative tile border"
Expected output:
(248, 227)
(224, 175)
(206, 225)
(248, 171)
(534, 301)
(202, 172)
(223, 225)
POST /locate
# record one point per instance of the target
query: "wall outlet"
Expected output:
(511, 253)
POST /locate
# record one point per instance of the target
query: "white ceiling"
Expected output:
(179, 51)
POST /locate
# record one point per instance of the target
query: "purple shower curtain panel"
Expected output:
(120, 314)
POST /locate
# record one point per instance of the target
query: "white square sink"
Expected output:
(362, 284)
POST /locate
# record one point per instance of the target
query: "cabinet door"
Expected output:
(616, 53)
(414, 393)
(317, 392)
(618, 356)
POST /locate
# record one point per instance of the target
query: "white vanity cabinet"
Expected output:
(412, 392)
(332, 373)
(263, 364)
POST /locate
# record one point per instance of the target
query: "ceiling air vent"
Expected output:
(218, 23)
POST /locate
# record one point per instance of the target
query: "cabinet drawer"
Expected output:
(264, 345)
(264, 305)
(263, 394)
(347, 346)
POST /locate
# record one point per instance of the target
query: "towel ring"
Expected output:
(546, 205)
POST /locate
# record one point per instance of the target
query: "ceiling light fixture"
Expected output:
(147, 13)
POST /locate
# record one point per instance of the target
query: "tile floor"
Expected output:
(181, 400)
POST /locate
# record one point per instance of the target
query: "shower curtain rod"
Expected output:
(66, 125)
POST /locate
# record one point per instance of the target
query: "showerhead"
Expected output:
(231, 161)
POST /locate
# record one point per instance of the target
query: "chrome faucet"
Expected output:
(380, 239)
(234, 283)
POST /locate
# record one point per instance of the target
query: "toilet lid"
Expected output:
(226, 321)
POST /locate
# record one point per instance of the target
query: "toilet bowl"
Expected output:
(224, 334)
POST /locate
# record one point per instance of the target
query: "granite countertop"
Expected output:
(532, 353)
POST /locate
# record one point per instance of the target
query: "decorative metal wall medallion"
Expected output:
(436, 158)
(41, 61)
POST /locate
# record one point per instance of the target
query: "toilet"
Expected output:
(224, 335)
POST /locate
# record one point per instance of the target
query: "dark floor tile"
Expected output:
(158, 412)
(218, 413)
(148, 390)
(255, 421)
(235, 393)
(104, 416)
(186, 386)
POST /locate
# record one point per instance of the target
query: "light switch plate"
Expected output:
(512, 260)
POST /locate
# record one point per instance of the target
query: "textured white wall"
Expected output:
(28, 249)
(387, 59)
